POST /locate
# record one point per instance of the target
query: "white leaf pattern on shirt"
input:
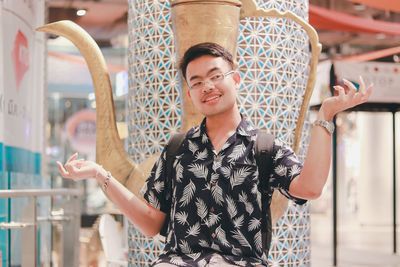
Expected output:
(181, 217)
(216, 192)
(199, 170)
(188, 193)
(204, 139)
(278, 155)
(202, 155)
(158, 171)
(237, 152)
(254, 224)
(281, 170)
(239, 175)
(232, 210)
(159, 186)
(213, 219)
(258, 241)
(240, 237)
(194, 256)
(204, 243)
(177, 261)
(236, 251)
(154, 201)
(221, 235)
(201, 208)
(193, 230)
(226, 171)
(179, 172)
(193, 147)
(185, 247)
(294, 170)
(238, 222)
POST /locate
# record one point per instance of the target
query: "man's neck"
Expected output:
(220, 127)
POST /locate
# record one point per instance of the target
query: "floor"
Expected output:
(358, 246)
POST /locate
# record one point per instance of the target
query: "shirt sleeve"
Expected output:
(286, 166)
(153, 189)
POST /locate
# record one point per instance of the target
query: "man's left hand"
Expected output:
(345, 100)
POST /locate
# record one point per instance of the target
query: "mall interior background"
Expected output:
(47, 112)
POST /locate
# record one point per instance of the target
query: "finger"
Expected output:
(70, 169)
(339, 89)
(62, 170)
(350, 85)
(367, 93)
(73, 157)
(362, 86)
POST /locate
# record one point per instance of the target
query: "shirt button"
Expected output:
(213, 235)
(216, 159)
(211, 209)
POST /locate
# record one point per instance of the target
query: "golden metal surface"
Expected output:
(250, 9)
(203, 21)
(109, 149)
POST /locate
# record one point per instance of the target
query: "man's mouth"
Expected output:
(211, 98)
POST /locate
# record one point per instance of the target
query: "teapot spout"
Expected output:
(109, 149)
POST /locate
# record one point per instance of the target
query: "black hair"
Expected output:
(203, 49)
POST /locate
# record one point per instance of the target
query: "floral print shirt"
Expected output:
(216, 204)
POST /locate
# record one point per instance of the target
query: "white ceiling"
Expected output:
(104, 20)
(107, 19)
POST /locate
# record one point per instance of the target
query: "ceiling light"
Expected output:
(359, 7)
(81, 12)
(380, 36)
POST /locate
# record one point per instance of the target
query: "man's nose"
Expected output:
(208, 85)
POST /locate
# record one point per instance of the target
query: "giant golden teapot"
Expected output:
(194, 21)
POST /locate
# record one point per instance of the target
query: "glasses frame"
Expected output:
(208, 79)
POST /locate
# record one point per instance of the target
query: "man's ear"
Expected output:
(236, 77)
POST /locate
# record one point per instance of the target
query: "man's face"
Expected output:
(212, 99)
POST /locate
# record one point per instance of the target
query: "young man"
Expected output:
(216, 205)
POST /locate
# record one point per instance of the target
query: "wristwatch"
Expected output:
(328, 125)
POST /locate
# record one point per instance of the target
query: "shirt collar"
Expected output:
(244, 128)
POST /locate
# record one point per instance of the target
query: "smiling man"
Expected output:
(215, 210)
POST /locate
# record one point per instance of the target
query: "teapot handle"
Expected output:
(250, 9)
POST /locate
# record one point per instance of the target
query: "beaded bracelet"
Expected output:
(105, 185)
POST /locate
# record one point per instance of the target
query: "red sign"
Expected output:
(20, 56)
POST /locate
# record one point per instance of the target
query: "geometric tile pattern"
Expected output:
(154, 102)
(273, 57)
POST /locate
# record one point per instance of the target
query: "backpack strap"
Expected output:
(263, 154)
(173, 146)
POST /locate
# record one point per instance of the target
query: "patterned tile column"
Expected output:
(273, 57)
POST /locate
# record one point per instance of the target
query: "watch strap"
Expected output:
(328, 125)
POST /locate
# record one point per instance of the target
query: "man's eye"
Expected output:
(216, 77)
(197, 84)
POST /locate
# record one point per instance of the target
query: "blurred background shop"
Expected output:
(48, 112)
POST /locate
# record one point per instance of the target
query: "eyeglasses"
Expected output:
(214, 79)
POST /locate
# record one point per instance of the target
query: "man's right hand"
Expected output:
(78, 169)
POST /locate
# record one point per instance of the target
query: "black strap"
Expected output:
(263, 154)
(173, 146)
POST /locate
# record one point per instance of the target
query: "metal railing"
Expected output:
(66, 215)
